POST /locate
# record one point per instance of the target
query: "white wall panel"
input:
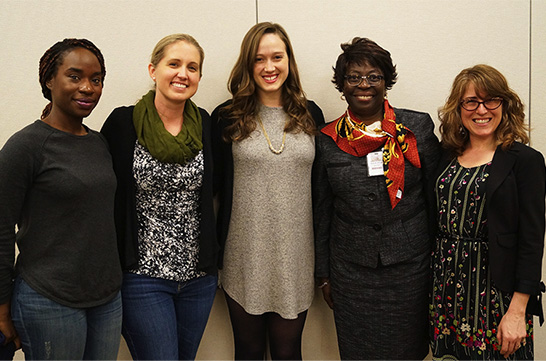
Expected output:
(430, 41)
(538, 117)
(126, 32)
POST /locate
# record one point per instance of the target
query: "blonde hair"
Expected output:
(159, 50)
(487, 81)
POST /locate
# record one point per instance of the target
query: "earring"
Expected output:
(153, 78)
(462, 131)
(342, 97)
(386, 96)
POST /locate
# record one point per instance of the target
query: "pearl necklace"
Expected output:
(273, 150)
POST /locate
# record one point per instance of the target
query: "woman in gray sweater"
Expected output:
(263, 145)
(57, 186)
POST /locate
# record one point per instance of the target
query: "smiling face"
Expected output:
(481, 123)
(365, 101)
(177, 74)
(271, 68)
(77, 85)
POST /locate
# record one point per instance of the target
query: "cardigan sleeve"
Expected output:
(530, 173)
(218, 147)
(322, 253)
(316, 113)
(323, 199)
(121, 137)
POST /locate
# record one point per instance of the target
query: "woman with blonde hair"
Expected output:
(489, 213)
(164, 211)
(263, 141)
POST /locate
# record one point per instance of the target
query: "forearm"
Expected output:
(518, 305)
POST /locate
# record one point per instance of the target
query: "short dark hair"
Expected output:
(53, 58)
(360, 51)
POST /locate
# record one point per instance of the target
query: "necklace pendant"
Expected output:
(273, 150)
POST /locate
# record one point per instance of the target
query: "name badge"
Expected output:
(375, 163)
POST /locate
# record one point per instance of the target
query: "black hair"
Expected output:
(53, 58)
(360, 51)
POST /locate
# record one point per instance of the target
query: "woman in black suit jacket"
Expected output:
(489, 211)
(372, 243)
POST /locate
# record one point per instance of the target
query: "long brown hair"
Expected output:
(488, 81)
(243, 108)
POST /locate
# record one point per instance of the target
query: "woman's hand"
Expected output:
(324, 285)
(6, 326)
(512, 329)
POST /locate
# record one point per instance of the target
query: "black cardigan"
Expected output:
(121, 136)
(223, 167)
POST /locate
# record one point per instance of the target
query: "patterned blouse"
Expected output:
(167, 203)
(461, 200)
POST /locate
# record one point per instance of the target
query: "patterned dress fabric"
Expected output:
(167, 201)
(466, 307)
(269, 251)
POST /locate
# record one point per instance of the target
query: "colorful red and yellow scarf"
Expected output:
(398, 143)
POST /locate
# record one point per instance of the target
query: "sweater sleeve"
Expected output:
(18, 159)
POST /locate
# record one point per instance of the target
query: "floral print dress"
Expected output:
(466, 308)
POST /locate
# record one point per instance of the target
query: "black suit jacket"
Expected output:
(353, 217)
(515, 193)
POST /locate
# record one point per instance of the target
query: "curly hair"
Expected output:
(243, 108)
(489, 82)
(361, 51)
(53, 59)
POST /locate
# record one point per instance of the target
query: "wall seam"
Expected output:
(530, 65)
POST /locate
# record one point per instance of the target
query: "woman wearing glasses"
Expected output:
(489, 212)
(372, 240)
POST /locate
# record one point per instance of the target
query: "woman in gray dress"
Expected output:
(370, 218)
(263, 144)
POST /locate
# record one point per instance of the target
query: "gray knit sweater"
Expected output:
(58, 188)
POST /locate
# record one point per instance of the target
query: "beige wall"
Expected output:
(430, 41)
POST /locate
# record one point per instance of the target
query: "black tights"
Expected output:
(250, 332)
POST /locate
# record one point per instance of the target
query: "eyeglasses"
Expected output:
(490, 104)
(356, 80)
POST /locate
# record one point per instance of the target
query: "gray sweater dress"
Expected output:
(269, 252)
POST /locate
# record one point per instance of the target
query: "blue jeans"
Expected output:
(51, 331)
(165, 320)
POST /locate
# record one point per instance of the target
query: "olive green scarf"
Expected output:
(161, 144)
